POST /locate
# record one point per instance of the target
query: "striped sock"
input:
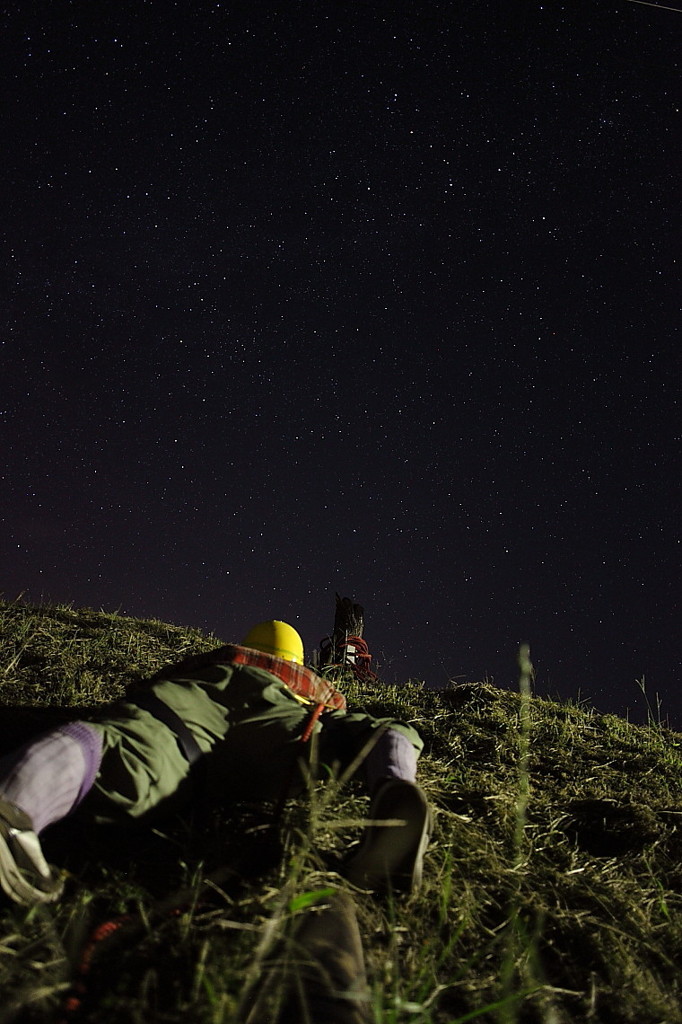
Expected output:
(49, 776)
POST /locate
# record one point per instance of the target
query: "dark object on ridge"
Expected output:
(349, 618)
(346, 647)
(349, 621)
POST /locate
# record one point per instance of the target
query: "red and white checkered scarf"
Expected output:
(302, 681)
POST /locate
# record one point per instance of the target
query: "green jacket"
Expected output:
(247, 724)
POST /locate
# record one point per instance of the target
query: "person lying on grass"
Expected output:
(231, 722)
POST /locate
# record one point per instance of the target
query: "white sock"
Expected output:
(49, 776)
(391, 757)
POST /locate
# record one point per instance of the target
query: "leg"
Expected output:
(39, 784)
(393, 756)
(384, 747)
(391, 851)
(49, 776)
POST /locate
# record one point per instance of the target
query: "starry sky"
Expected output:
(370, 297)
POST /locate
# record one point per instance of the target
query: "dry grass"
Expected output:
(552, 885)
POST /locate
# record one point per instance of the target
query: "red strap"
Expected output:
(314, 715)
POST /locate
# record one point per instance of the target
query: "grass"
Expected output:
(552, 884)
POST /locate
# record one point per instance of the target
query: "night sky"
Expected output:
(376, 298)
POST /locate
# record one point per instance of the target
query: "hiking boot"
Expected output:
(25, 875)
(391, 853)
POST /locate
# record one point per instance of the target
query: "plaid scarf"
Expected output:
(302, 682)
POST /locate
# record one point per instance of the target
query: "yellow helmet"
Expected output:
(278, 638)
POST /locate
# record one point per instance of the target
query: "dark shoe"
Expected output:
(25, 875)
(319, 976)
(391, 853)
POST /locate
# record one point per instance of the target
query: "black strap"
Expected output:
(148, 700)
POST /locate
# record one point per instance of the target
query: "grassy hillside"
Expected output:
(552, 885)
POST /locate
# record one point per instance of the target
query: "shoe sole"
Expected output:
(15, 885)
